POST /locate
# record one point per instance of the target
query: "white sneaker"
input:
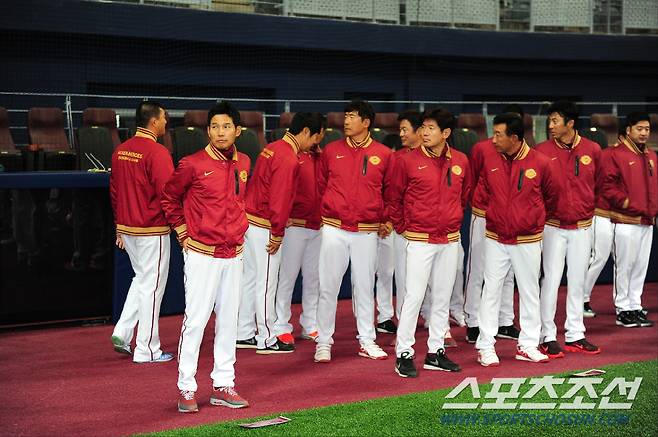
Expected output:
(372, 351)
(488, 358)
(532, 354)
(322, 353)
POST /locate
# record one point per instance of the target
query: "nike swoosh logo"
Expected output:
(553, 159)
(631, 163)
(340, 156)
(207, 173)
(420, 167)
(494, 169)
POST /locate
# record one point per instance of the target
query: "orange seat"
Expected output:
(104, 117)
(196, 118)
(254, 120)
(609, 124)
(475, 122)
(46, 129)
(6, 141)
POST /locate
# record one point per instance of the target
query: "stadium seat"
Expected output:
(254, 120)
(196, 118)
(475, 122)
(392, 141)
(285, 118)
(653, 137)
(609, 124)
(46, 129)
(335, 121)
(387, 121)
(463, 140)
(188, 140)
(596, 135)
(94, 144)
(330, 134)
(528, 127)
(10, 156)
(249, 144)
(102, 117)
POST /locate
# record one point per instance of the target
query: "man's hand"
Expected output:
(385, 229)
(273, 246)
(184, 244)
(119, 242)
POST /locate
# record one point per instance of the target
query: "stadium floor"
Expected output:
(70, 381)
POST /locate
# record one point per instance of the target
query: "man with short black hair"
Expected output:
(353, 178)
(567, 235)
(630, 184)
(140, 169)
(521, 187)
(204, 203)
(270, 196)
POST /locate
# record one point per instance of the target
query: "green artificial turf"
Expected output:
(420, 414)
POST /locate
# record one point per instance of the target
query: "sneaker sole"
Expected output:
(120, 346)
(246, 346)
(429, 367)
(271, 352)
(122, 350)
(627, 325)
(645, 325)
(530, 360)
(490, 364)
(384, 331)
(506, 337)
(322, 361)
(307, 337)
(589, 315)
(469, 341)
(184, 410)
(404, 376)
(365, 355)
(222, 403)
(582, 351)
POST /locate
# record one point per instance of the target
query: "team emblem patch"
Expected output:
(586, 160)
(456, 170)
(243, 175)
(530, 173)
(374, 160)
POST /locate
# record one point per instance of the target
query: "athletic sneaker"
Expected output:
(472, 334)
(642, 319)
(488, 358)
(187, 403)
(627, 319)
(120, 346)
(387, 327)
(249, 343)
(277, 348)
(509, 332)
(551, 349)
(228, 397)
(532, 354)
(310, 336)
(372, 351)
(582, 346)
(322, 353)
(163, 358)
(286, 338)
(448, 341)
(457, 319)
(588, 311)
(440, 361)
(404, 366)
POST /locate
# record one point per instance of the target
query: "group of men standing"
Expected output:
(357, 203)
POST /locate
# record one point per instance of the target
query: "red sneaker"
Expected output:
(286, 338)
(187, 403)
(583, 346)
(227, 397)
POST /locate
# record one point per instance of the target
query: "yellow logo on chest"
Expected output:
(457, 170)
(530, 173)
(374, 160)
(586, 160)
(243, 175)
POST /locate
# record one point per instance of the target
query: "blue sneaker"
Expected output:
(120, 346)
(166, 356)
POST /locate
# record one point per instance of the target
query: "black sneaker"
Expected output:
(440, 361)
(627, 319)
(387, 327)
(582, 346)
(551, 349)
(277, 348)
(249, 343)
(404, 366)
(642, 319)
(472, 334)
(588, 311)
(510, 332)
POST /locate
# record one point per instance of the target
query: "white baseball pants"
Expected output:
(300, 250)
(210, 284)
(384, 274)
(631, 250)
(575, 246)
(338, 249)
(600, 252)
(261, 272)
(436, 265)
(400, 247)
(149, 257)
(525, 260)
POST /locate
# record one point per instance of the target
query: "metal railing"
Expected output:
(73, 105)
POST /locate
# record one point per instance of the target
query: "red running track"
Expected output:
(70, 381)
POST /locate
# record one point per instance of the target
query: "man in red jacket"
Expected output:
(430, 190)
(301, 249)
(140, 169)
(567, 235)
(630, 184)
(204, 203)
(520, 187)
(270, 196)
(352, 180)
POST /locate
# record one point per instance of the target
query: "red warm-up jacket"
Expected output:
(429, 193)
(353, 179)
(140, 169)
(575, 169)
(480, 151)
(204, 201)
(306, 206)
